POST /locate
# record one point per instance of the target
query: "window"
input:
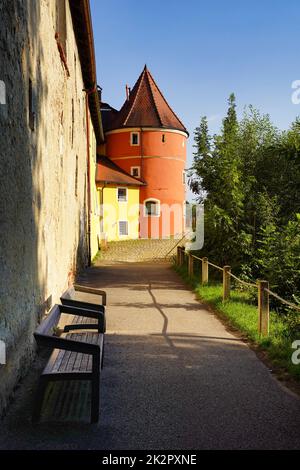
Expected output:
(135, 171)
(31, 114)
(183, 177)
(163, 138)
(123, 227)
(122, 194)
(135, 138)
(152, 208)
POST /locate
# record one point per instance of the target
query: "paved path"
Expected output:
(174, 378)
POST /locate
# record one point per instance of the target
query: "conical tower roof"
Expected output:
(146, 107)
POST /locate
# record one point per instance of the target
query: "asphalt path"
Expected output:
(174, 377)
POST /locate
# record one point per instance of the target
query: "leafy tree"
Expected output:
(248, 176)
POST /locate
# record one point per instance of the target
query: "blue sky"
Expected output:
(201, 51)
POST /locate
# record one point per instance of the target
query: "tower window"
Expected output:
(135, 138)
(152, 208)
(122, 194)
(163, 138)
(183, 177)
(136, 171)
(123, 227)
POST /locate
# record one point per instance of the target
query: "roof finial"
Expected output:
(127, 92)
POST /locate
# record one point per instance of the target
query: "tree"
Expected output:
(249, 178)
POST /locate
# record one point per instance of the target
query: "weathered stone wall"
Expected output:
(42, 175)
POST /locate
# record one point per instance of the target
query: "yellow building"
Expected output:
(118, 200)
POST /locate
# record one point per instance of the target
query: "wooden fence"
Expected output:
(263, 291)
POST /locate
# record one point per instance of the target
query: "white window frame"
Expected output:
(126, 189)
(135, 168)
(138, 139)
(121, 234)
(158, 204)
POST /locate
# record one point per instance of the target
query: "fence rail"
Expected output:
(241, 281)
(286, 302)
(263, 291)
(214, 265)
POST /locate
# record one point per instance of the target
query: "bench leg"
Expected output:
(39, 398)
(95, 408)
(103, 349)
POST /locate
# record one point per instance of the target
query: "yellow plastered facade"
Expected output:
(95, 201)
(115, 211)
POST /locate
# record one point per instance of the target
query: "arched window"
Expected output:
(152, 208)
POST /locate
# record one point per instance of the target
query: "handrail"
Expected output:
(245, 283)
(175, 245)
(290, 304)
(248, 284)
(215, 266)
(197, 257)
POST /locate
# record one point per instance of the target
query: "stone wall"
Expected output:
(42, 175)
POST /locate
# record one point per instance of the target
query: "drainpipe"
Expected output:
(142, 178)
(88, 92)
(142, 161)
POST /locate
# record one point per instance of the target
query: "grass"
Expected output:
(96, 258)
(240, 312)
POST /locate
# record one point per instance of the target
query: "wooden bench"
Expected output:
(82, 296)
(75, 356)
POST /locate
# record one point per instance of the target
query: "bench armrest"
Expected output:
(91, 290)
(81, 312)
(81, 304)
(56, 342)
(88, 313)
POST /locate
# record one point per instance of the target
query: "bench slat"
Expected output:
(64, 362)
(75, 356)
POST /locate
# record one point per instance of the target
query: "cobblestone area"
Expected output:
(138, 250)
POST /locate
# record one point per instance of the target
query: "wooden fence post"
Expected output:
(263, 308)
(178, 256)
(226, 283)
(181, 255)
(204, 271)
(191, 265)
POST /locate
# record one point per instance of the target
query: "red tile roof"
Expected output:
(146, 107)
(110, 173)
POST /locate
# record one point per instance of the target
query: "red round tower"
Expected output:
(147, 140)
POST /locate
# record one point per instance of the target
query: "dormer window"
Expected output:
(135, 138)
(136, 171)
